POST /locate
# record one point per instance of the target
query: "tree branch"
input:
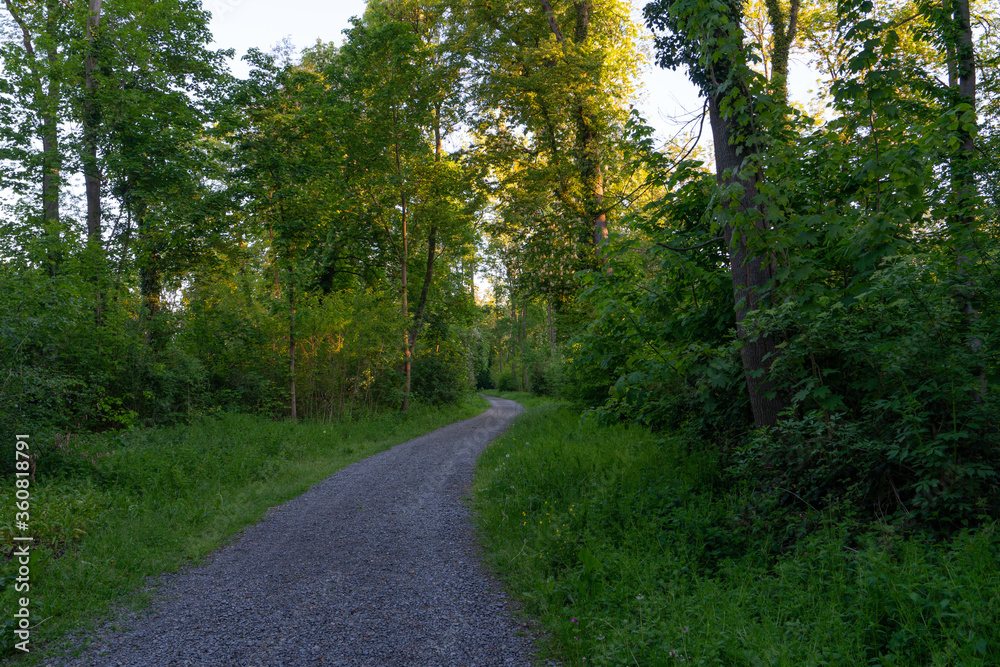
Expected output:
(694, 247)
(551, 16)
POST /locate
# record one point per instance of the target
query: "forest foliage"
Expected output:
(459, 196)
(816, 300)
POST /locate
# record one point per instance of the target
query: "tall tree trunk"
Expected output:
(418, 317)
(150, 284)
(552, 328)
(588, 143)
(963, 174)
(750, 275)
(783, 28)
(46, 102)
(524, 343)
(291, 344)
(407, 351)
(962, 77)
(52, 160)
(425, 288)
(91, 172)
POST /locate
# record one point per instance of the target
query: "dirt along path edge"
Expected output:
(373, 566)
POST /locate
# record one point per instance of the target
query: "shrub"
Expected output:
(435, 381)
(506, 382)
(885, 411)
(484, 380)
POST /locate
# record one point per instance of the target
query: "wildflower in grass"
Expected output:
(638, 597)
(572, 620)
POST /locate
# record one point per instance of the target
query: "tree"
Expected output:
(147, 103)
(551, 86)
(744, 119)
(401, 82)
(38, 87)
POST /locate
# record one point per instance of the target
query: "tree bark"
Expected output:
(552, 328)
(46, 103)
(964, 190)
(291, 344)
(750, 275)
(52, 161)
(524, 342)
(418, 318)
(783, 29)
(407, 351)
(91, 171)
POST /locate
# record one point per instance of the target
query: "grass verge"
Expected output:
(109, 511)
(629, 552)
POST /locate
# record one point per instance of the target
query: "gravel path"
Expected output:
(374, 566)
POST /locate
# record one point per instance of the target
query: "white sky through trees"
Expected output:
(667, 99)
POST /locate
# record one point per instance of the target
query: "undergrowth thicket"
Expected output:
(110, 510)
(631, 549)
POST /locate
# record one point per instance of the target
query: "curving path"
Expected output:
(373, 566)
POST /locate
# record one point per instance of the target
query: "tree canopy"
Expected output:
(462, 195)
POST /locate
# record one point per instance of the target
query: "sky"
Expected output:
(666, 98)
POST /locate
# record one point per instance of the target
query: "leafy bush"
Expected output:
(548, 376)
(506, 382)
(484, 380)
(631, 551)
(886, 413)
(438, 382)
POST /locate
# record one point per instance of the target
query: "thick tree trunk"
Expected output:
(962, 76)
(91, 172)
(783, 28)
(552, 328)
(407, 351)
(418, 318)
(524, 343)
(750, 275)
(291, 345)
(46, 102)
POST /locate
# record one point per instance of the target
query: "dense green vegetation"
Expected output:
(631, 549)
(111, 510)
(805, 317)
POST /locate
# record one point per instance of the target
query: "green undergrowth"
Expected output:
(108, 511)
(630, 551)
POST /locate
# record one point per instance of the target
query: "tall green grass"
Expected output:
(109, 511)
(630, 552)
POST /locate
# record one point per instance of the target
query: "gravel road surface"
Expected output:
(374, 566)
